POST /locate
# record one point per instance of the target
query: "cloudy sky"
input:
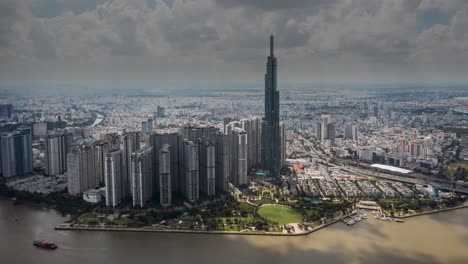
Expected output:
(224, 43)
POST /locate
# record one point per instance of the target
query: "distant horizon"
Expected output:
(64, 90)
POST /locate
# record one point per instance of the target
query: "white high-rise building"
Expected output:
(190, 170)
(238, 149)
(207, 166)
(131, 143)
(142, 176)
(81, 169)
(324, 120)
(157, 141)
(351, 131)
(113, 178)
(355, 129)
(252, 127)
(55, 154)
(327, 130)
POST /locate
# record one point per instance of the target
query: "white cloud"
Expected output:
(227, 40)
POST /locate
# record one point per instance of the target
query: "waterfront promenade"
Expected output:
(69, 226)
(72, 227)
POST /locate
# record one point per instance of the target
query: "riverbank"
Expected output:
(16, 201)
(62, 204)
(434, 211)
(71, 227)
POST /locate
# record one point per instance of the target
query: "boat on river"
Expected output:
(45, 244)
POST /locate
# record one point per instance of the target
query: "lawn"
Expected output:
(119, 222)
(281, 215)
(88, 219)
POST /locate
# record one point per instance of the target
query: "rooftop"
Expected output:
(390, 168)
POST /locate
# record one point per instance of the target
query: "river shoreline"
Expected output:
(13, 199)
(435, 211)
(69, 227)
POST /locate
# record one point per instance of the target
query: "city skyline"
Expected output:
(166, 45)
(136, 130)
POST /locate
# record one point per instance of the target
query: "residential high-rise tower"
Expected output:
(55, 154)
(165, 190)
(142, 176)
(16, 153)
(113, 177)
(207, 166)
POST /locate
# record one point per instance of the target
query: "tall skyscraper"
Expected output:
(113, 177)
(144, 131)
(8, 155)
(142, 176)
(194, 133)
(6, 111)
(324, 121)
(190, 169)
(222, 160)
(331, 134)
(108, 143)
(101, 148)
(157, 141)
(55, 154)
(355, 129)
(351, 131)
(238, 149)
(207, 166)
(348, 131)
(150, 125)
(252, 127)
(327, 130)
(165, 190)
(81, 169)
(16, 153)
(271, 145)
(131, 143)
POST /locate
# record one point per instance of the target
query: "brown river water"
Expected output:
(436, 238)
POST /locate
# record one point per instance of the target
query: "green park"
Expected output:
(280, 214)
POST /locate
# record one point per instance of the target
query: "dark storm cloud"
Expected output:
(12, 31)
(228, 39)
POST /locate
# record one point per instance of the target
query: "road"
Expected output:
(413, 178)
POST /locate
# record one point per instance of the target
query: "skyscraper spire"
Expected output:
(271, 45)
(271, 152)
